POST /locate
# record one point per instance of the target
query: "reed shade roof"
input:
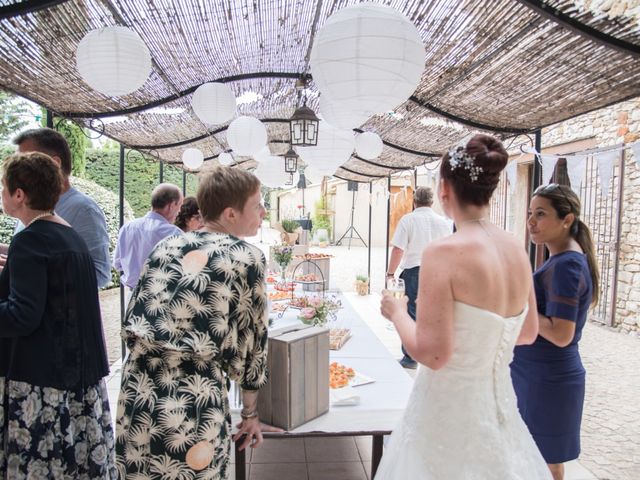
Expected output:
(495, 65)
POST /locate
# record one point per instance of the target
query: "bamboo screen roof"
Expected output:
(505, 66)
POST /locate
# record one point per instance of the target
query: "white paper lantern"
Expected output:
(271, 172)
(192, 158)
(367, 58)
(246, 136)
(113, 60)
(225, 159)
(214, 103)
(334, 147)
(369, 145)
(263, 154)
(335, 114)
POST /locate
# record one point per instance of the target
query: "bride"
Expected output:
(475, 302)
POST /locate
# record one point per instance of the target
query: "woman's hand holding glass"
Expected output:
(394, 301)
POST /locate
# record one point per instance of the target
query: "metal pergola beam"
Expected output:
(27, 6)
(585, 31)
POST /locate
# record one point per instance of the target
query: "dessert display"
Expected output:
(277, 296)
(285, 287)
(339, 375)
(271, 279)
(338, 337)
(299, 302)
(313, 256)
(278, 307)
(308, 278)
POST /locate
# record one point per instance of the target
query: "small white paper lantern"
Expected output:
(225, 159)
(367, 58)
(263, 154)
(271, 172)
(246, 136)
(334, 147)
(369, 145)
(192, 158)
(214, 103)
(113, 60)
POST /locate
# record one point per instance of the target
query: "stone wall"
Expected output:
(614, 125)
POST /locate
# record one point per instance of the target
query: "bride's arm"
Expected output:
(529, 331)
(430, 339)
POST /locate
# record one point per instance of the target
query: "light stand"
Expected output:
(351, 230)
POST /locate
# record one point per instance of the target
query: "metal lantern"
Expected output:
(291, 161)
(304, 127)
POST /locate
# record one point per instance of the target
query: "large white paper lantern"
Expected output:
(214, 103)
(270, 172)
(113, 60)
(225, 159)
(246, 136)
(192, 158)
(369, 145)
(367, 58)
(338, 116)
(334, 147)
(263, 154)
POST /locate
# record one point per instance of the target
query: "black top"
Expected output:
(50, 324)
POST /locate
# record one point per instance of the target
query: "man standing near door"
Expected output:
(414, 232)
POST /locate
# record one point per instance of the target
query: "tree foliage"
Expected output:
(14, 115)
(76, 138)
(140, 177)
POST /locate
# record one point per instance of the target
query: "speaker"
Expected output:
(352, 186)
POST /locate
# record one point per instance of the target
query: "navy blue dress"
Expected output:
(549, 380)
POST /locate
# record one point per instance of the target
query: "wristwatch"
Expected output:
(390, 274)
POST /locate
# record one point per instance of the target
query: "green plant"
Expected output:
(321, 220)
(282, 255)
(289, 225)
(318, 310)
(362, 278)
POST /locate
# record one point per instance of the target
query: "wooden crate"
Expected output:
(298, 386)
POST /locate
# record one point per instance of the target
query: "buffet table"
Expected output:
(381, 402)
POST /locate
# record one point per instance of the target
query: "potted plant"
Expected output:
(362, 284)
(289, 234)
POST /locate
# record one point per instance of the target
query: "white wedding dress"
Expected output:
(462, 421)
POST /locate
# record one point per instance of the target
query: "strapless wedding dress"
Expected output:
(462, 421)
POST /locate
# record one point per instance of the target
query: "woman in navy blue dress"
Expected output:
(548, 375)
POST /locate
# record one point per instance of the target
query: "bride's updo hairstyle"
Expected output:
(474, 170)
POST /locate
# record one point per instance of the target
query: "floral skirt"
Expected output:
(46, 433)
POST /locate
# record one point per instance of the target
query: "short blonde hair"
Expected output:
(225, 187)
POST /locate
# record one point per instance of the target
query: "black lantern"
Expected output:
(304, 127)
(291, 161)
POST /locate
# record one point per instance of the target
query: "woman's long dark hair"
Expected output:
(564, 201)
(189, 209)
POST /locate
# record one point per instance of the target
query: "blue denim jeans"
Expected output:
(411, 277)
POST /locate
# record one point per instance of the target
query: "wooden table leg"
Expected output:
(376, 453)
(241, 465)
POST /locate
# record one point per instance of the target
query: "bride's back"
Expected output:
(489, 268)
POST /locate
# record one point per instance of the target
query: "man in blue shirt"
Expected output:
(137, 239)
(80, 211)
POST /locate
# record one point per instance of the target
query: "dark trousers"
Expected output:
(411, 277)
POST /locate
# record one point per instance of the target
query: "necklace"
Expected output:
(471, 220)
(38, 217)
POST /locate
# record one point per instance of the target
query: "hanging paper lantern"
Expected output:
(334, 148)
(335, 114)
(263, 154)
(214, 103)
(192, 158)
(368, 145)
(271, 172)
(225, 159)
(113, 60)
(367, 58)
(246, 136)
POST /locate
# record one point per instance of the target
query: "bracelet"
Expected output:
(247, 416)
(390, 274)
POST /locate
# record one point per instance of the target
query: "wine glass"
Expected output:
(395, 287)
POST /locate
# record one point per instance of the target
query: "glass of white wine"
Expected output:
(395, 287)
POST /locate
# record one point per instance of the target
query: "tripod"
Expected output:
(351, 230)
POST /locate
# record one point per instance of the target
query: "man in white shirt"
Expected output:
(414, 231)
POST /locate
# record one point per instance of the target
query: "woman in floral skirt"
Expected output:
(54, 411)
